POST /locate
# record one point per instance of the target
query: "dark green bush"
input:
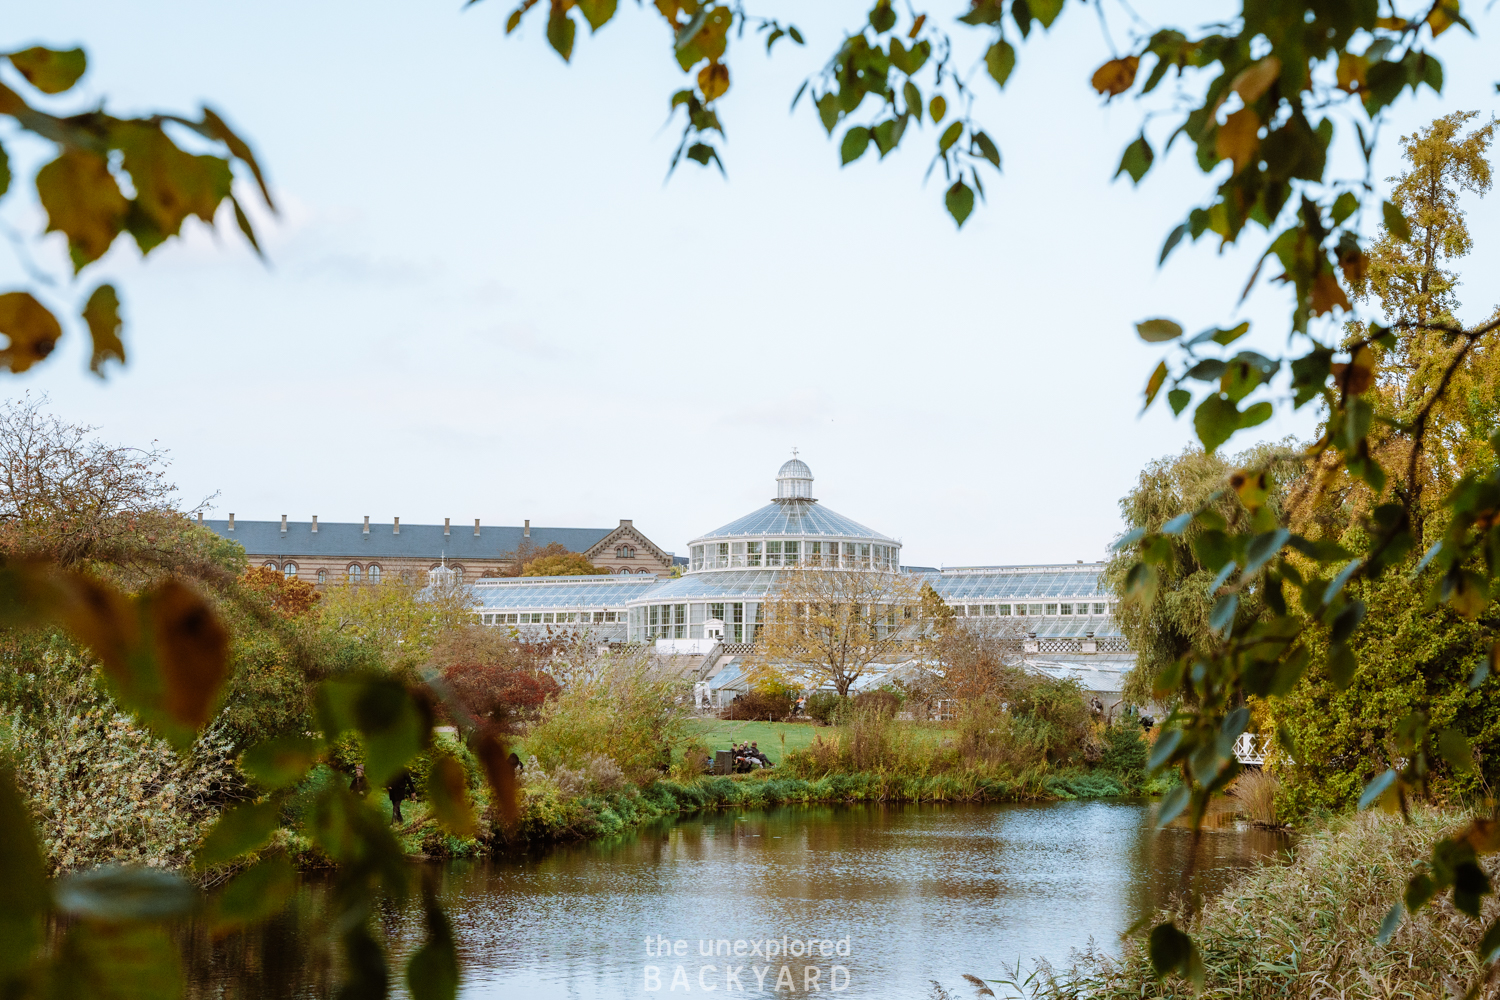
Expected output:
(826, 707)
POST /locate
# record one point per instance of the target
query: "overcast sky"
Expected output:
(484, 300)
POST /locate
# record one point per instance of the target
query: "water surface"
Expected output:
(904, 895)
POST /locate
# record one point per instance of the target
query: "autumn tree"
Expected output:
(831, 625)
(498, 679)
(564, 564)
(399, 622)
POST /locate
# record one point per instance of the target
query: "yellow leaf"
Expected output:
(1238, 138)
(102, 314)
(1351, 72)
(1391, 23)
(1358, 375)
(1116, 76)
(33, 331)
(1327, 293)
(937, 108)
(192, 651)
(1256, 79)
(83, 200)
(170, 184)
(1251, 486)
(713, 80)
(1443, 16)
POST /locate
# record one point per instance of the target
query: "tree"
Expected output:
(497, 678)
(400, 623)
(70, 498)
(567, 564)
(832, 624)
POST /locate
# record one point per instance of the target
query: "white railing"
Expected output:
(1249, 748)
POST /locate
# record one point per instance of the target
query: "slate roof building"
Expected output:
(328, 552)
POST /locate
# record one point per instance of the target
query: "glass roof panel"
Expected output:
(802, 517)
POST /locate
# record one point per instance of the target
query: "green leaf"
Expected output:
(882, 17)
(1172, 805)
(887, 134)
(959, 201)
(1490, 943)
(23, 879)
(1227, 337)
(432, 973)
(279, 762)
(1342, 666)
(560, 31)
(257, 893)
(1389, 925)
(1344, 206)
(1000, 60)
(1395, 222)
(1170, 949)
(1215, 420)
(1376, 788)
(1481, 672)
(1178, 524)
(1221, 617)
(1178, 399)
(1173, 238)
(828, 111)
(856, 140)
(937, 108)
(51, 71)
(950, 136)
(913, 98)
(1454, 748)
(987, 149)
(1162, 750)
(597, 12)
(117, 962)
(1256, 413)
(239, 830)
(1419, 891)
(1155, 331)
(1136, 161)
(380, 709)
(448, 796)
(120, 894)
(4, 171)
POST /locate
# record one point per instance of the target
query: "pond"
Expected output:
(888, 899)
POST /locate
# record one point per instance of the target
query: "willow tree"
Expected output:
(833, 625)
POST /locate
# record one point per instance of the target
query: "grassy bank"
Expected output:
(1308, 929)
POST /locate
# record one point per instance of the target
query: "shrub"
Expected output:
(826, 707)
(1125, 751)
(886, 703)
(506, 694)
(622, 712)
(1257, 791)
(102, 788)
(758, 705)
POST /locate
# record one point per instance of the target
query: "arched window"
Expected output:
(374, 573)
(322, 576)
(270, 565)
(354, 572)
(625, 552)
(458, 574)
(290, 569)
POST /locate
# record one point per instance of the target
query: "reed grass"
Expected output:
(1307, 929)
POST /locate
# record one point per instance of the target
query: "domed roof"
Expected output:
(794, 481)
(794, 468)
(806, 518)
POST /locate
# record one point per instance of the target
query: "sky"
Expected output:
(483, 296)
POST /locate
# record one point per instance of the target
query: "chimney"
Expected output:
(200, 519)
(397, 528)
(315, 524)
(526, 531)
(367, 524)
(445, 527)
(283, 524)
(624, 523)
(476, 527)
(231, 522)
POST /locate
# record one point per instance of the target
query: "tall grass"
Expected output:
(1308, 929)
(1256, 793)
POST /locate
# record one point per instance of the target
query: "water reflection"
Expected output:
(920, 893)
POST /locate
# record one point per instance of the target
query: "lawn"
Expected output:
(718, 734)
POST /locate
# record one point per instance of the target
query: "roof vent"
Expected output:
(283, 524)
(367, 524)
(396, 530)
(445, 527)
(476, 527)
(526, 530)
(231, 522)
(315, 524)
